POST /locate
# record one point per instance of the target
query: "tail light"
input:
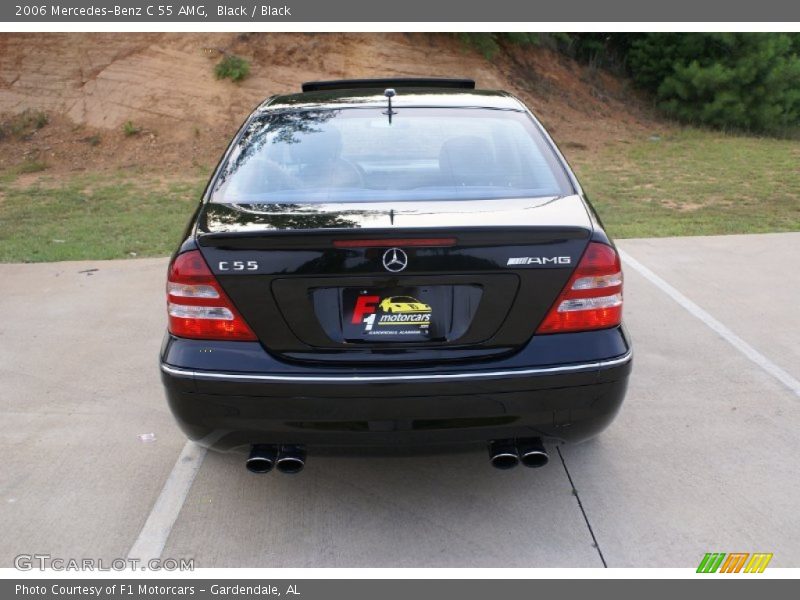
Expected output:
(196, 304)
(592, 298)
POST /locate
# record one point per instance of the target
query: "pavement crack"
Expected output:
(583, 512)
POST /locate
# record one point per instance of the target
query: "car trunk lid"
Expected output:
(317, 282)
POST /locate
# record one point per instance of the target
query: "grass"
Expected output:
(32, 166)
(93, 217)
(695, 182)
(690, 182)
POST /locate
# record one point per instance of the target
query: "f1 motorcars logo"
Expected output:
(714, 562)
(372, 311)
(395, 260)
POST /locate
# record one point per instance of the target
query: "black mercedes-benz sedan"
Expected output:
(405, 264)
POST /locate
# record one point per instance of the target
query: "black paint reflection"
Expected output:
(284, 126)
(220, 218)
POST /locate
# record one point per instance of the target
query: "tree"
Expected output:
(747, 81)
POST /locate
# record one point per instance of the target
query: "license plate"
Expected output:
(396, 314)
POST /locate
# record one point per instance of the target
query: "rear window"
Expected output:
(361, 155)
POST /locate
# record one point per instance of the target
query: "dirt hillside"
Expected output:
(90, 85)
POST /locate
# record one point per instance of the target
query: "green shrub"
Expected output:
(24, 124)
(485, 43)
(232, 67)
(39, 119)
(604, 50)
(488, 44)
(30, 120)
(129, 129)
(745, 81)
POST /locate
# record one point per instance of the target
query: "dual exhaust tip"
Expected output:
(286, 459)
(503, 455)
(507, 454)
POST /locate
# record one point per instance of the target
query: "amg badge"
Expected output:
(540, 260)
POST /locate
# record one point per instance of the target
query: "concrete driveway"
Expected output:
(702, 458)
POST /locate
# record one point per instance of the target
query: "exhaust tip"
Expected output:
(503, 455)
(259, 465)
(533, 454)
(535, 460)
(505, 461)
(291, 460)
(290, 465)
(261, 459)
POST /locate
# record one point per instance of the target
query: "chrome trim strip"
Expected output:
(211, 375)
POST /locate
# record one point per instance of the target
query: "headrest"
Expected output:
(467, 159)
(317, 147)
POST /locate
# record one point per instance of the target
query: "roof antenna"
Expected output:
(390, 93)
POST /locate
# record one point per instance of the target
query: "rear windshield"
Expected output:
(363, 155)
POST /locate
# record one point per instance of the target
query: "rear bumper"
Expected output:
(340, 407)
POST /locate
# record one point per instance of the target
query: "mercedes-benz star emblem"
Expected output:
(395, 260)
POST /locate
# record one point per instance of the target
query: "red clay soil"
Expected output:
(89, 85)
